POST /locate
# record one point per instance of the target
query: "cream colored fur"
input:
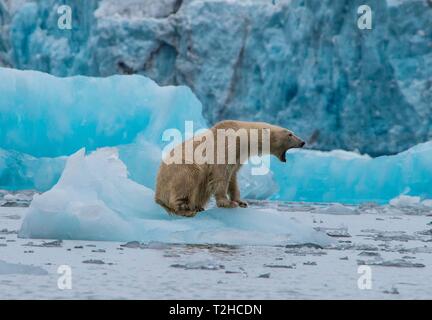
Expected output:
(185, 188)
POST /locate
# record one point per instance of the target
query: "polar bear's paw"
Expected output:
(241, 203)
(226, 203)
(184, 210)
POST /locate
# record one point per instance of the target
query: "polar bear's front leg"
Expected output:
(234, 191)
(221, 182)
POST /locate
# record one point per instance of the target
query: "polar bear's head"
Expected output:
(281, 140)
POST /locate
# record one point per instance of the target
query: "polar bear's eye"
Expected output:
(290, 134)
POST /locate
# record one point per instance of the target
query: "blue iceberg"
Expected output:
(347, 177)
(22, 171)
(45, 116)
(43, 119)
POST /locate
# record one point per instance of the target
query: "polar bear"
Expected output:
(185, 186)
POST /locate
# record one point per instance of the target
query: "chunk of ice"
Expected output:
(18, 268)
(95, 200)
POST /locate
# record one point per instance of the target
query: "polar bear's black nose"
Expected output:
(302, 144)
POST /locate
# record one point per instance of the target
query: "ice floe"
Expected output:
(95, 200)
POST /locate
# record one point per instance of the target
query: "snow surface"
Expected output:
(393, 241)
(14, 268)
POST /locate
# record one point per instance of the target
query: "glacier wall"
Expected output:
(43, 119)
(301, 64)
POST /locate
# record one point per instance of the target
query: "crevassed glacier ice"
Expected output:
(94, 200)
(337, 86)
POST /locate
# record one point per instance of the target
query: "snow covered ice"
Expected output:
(13, 268)
(393, 243)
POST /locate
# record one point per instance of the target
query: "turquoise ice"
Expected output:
(43, 119)
(45, 116)
(340, 176)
